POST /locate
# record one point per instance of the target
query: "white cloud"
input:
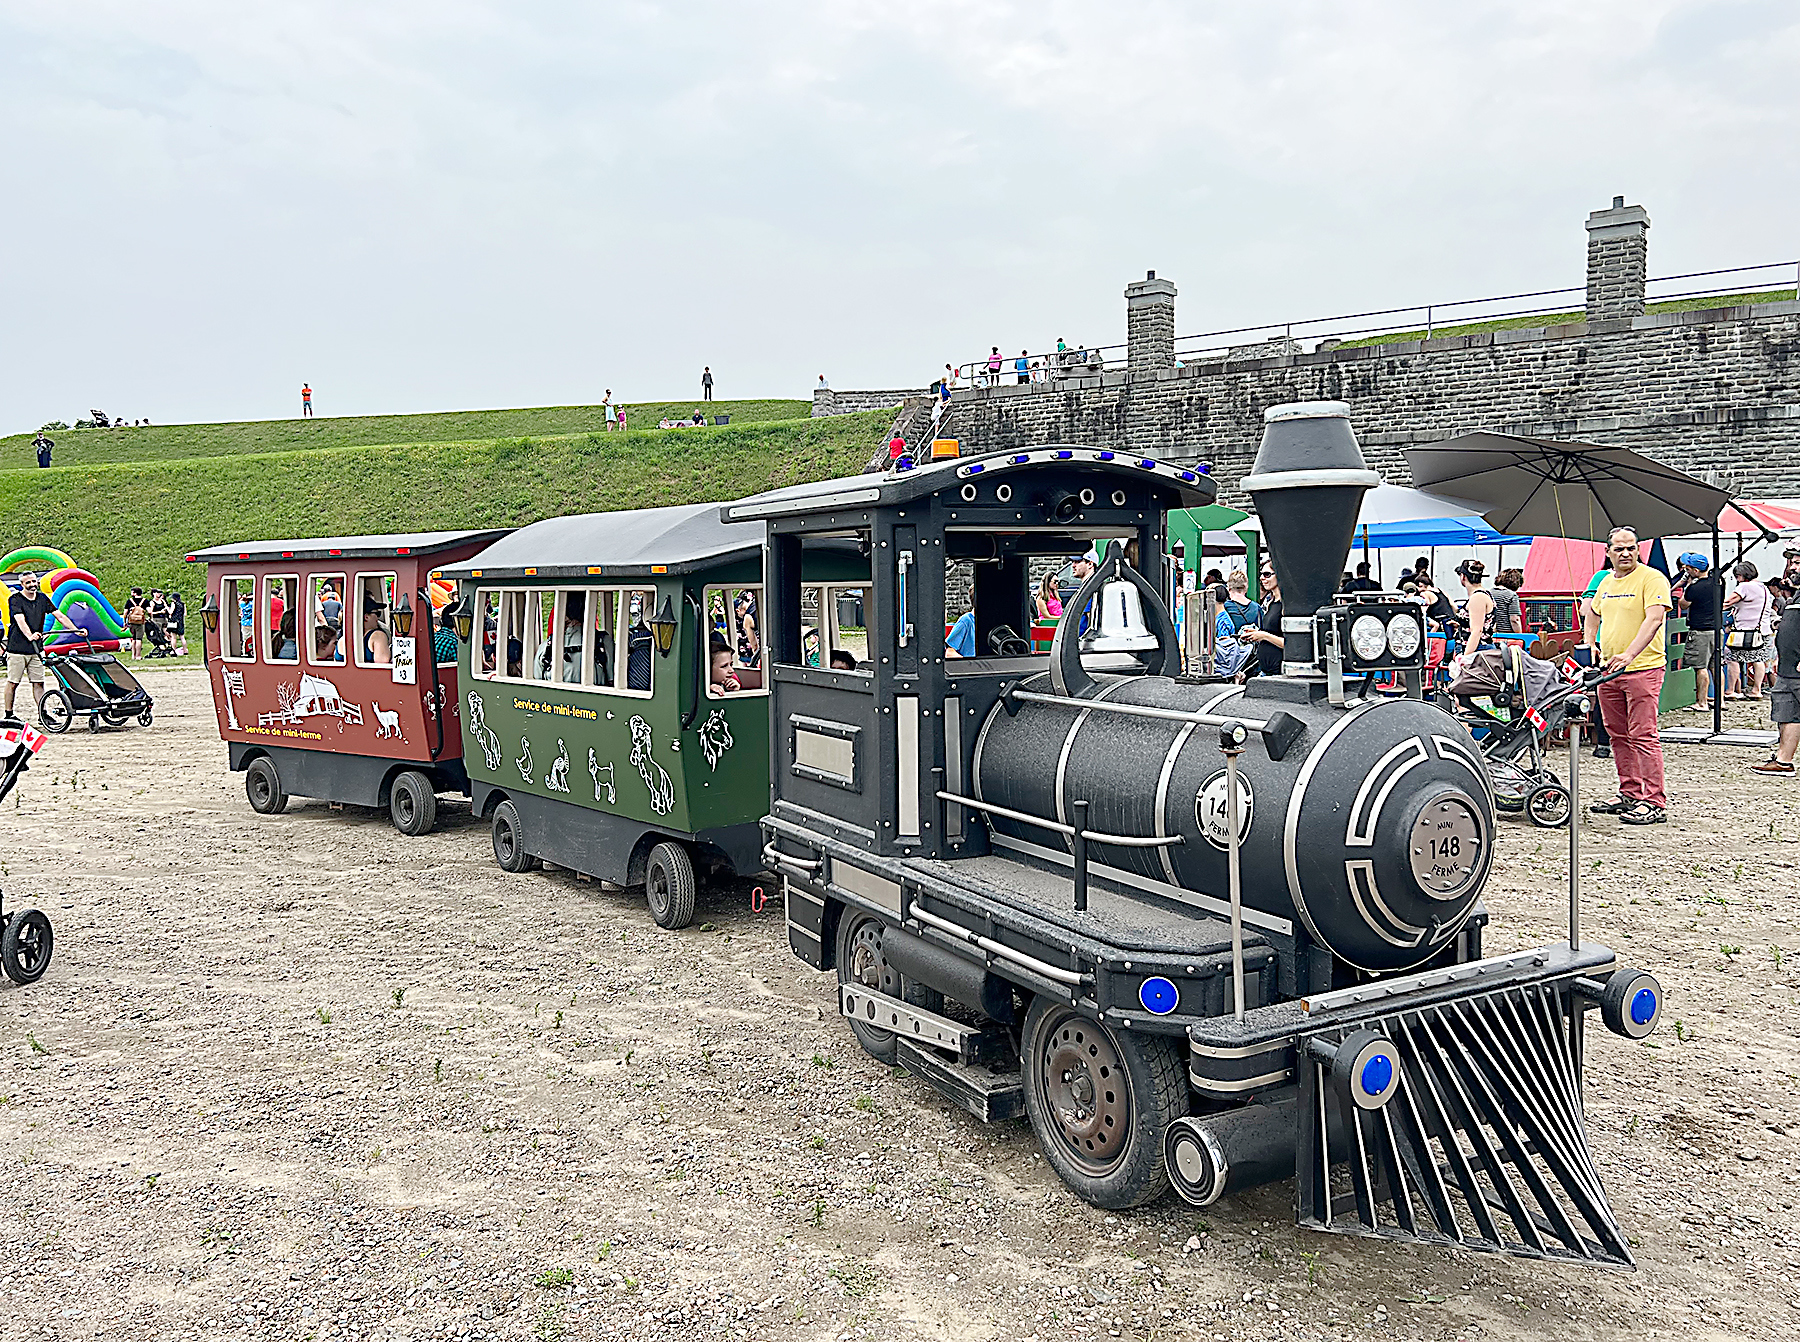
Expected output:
(463, 203)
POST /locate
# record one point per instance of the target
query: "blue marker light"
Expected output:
(1020, 460)
(1147, 464)
(1158, 996)
(1643, 1006)
(1064, 455)
(1106, 456)
(1189, 476)
(1377, 1074)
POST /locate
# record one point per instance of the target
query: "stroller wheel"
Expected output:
(26, 945)
(1548, 807)
(144, 718)
(94, 722)
(55, 712)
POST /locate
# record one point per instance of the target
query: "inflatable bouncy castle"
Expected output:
(73, 590)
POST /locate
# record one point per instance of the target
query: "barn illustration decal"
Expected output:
(313, 697)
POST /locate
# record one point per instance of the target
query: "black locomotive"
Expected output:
(1198, 933)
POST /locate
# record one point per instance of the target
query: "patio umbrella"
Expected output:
(1542, 487)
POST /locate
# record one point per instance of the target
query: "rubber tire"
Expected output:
(57, 703)
(1158, 1086)
(145, 718)
(1549, 791)
(879, 1044)
(262, 785)
(14, 947)
(412, 804)
(94, 723)
(669, 885)
(509, 844)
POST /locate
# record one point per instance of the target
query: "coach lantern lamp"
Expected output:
(210, 613)
(462, 614)
(663, 627)
(403, 616)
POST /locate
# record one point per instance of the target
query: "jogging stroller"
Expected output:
(94, 683)
(1512, 702)
(25, 937)
(157, 636)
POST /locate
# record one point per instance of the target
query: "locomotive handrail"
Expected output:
(776, 858)
(1005, 952)
(1067, 831)
(1279, 730)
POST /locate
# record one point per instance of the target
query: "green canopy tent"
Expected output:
(1189, 526)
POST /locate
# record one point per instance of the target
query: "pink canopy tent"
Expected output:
(1558, 567)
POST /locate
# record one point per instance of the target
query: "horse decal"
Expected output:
(557, 780)
(656, 778)
(524, 760)
(594, 768)
(483, 734)
(387, 720)
(715, 738)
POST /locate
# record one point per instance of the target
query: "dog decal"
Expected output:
(483, 734)
(715, 738)
(656, 778)
(557, 780)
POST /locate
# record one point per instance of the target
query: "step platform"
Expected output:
(989, 1095)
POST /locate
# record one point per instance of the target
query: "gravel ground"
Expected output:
(298, 1077)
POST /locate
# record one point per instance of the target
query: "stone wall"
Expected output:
(829, 402)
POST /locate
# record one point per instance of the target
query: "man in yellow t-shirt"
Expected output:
(1628, 611)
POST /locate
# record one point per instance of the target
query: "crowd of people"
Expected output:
(159, 620)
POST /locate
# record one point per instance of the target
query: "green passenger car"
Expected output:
(615, 701)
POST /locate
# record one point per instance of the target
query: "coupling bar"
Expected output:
(774, 857)
(1279, 730)
(1024, 961)
(1067, 831)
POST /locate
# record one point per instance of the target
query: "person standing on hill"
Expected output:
(306, 400)
(706, 383)
(44, 447)
(612, 415)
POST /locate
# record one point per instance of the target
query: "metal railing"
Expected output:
(1423, 320)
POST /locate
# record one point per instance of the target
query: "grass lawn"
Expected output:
(164, 442)
(132, 523)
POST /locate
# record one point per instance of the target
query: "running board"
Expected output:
(988, 1095)
(1481, 1146)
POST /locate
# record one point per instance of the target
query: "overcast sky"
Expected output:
(455, 204)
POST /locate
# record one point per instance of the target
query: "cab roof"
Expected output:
(628, 544)
(344, 547)
(879, 489)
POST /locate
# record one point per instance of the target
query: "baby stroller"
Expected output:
(94, 683)
(1512, 702)
(157, 636)
(25, 936)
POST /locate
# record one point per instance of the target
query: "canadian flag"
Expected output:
(34, 739)
(1535, 718)
(1571, 670)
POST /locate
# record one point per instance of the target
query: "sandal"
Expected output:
(1772, 766)
(1644, 813)
(1614, 807)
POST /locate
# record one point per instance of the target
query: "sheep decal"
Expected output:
(599, 782)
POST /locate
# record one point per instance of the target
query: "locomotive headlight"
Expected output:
(1368, 637)
(1403, 636)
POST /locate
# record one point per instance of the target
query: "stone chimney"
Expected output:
(1617, 261)
(1150, 325)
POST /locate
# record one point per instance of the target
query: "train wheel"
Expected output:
(262, 784)
(860, 961)
(412, 804)
(1099, 1102)
(54, 712)
(1548, 806)
(26, 946)
(509, 840)
(669, 885)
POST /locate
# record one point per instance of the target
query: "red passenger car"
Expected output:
(324, 675)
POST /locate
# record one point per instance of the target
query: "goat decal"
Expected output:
(656, 778)
(524, 760)
(715, 738)
(483, 734)
(557, 780)
(387, 720)
(607, 782)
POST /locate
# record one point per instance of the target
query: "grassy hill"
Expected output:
(132, 522)
(163, 442)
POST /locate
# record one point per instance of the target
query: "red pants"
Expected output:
(1628, 708)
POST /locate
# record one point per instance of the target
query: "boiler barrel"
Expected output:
(1373, 834)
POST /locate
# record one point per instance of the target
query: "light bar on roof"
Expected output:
(1080, 454)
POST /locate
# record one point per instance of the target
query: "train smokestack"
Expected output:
(1307, 483)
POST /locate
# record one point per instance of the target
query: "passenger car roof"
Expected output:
(627, 544)
(343, 547)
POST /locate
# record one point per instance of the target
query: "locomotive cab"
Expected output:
(1196, 932)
